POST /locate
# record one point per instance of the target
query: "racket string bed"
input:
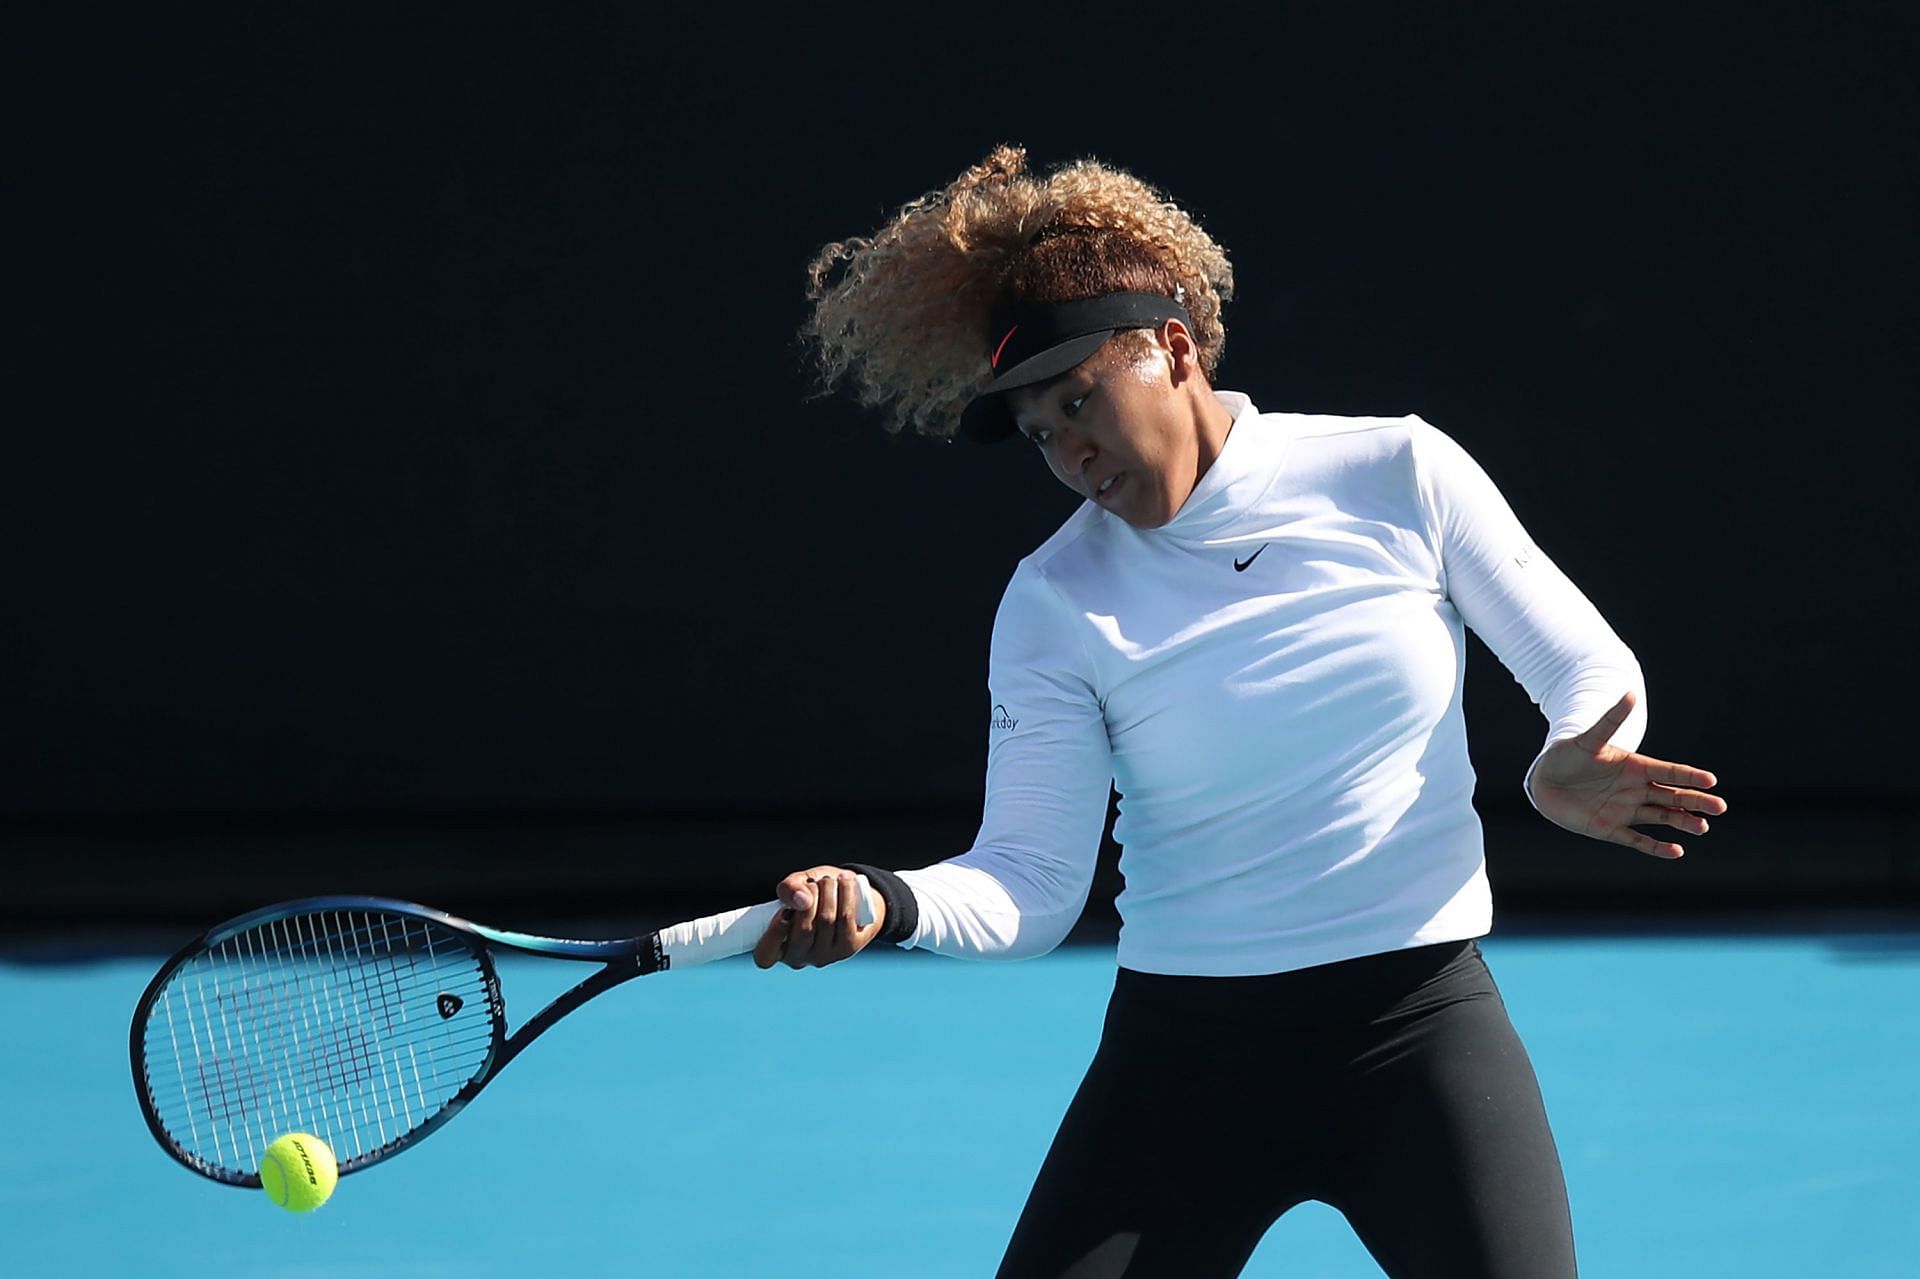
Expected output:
(354, 1025)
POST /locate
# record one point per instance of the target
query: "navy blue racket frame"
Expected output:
(624, 959)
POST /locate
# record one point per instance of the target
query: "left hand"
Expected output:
(1593, 788)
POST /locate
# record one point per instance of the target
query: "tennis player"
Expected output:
(1254, 630)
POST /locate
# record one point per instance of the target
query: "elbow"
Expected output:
(1039, 937)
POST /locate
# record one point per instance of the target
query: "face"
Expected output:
(1131, 429)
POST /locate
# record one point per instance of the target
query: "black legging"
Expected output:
(1391, 1087)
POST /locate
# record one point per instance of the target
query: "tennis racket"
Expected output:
(365, 1021)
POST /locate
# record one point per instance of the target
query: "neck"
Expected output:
(1212, 422)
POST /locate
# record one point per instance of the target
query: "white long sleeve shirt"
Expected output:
(1272, 682)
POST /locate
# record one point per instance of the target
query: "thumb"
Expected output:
(798, 897)
(1602, 732)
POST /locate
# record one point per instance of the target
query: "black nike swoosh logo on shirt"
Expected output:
(1240, 566)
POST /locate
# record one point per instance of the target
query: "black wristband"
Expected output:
(903, 911)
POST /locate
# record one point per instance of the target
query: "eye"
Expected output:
(1038, 436)
(1072, 407)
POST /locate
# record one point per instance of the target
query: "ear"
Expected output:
(1183, 350)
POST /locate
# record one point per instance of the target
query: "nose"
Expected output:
(1073, 449)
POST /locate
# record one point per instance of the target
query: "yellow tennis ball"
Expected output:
(298, 1171)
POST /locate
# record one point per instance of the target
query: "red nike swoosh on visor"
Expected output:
(994, 363)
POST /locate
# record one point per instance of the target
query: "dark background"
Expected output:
(412, 483)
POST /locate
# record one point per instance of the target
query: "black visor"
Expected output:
(1043, 342)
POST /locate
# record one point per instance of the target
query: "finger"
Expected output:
(856, 929)
(796, 891)
(1692, 800)
(1671, 774)
(1602, 732)
(1659, 815)
(826, 920)
(1664, 850)
(849, 939)
(800, 926)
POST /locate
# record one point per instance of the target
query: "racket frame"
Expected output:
(624, 959)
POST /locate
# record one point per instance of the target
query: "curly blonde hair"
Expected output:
(907, 314)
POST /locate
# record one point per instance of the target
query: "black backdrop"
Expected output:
(411, 462)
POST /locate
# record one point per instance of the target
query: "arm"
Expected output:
(1018, 891)
(1587, 777)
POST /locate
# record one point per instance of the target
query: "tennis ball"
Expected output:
(298, 1171)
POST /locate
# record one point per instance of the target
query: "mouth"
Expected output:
(1106, 487)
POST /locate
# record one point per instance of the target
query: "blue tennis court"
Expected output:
(1726, 1103)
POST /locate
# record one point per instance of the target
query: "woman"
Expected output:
(1253, 629)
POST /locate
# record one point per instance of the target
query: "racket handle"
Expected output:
(735, 932)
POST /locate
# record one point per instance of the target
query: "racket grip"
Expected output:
(735, 932)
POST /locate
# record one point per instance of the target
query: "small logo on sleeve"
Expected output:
(1001, 719)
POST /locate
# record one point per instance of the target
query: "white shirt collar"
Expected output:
(1243, 471)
